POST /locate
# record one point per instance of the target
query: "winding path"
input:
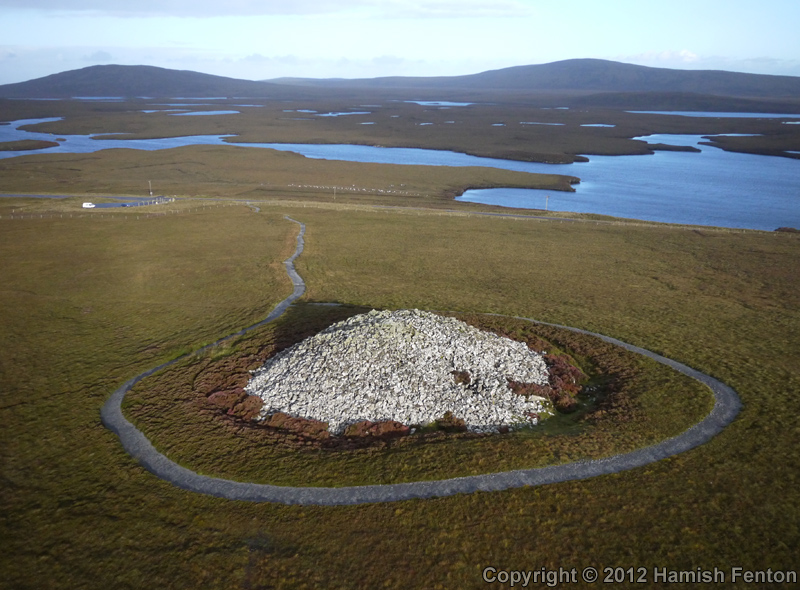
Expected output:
(726, 407)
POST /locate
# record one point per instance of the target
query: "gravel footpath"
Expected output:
(726, 407)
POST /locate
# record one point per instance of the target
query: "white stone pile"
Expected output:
(398, 365)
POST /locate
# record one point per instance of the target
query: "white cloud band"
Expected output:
(215, 8)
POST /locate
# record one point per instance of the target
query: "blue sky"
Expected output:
(264, 39)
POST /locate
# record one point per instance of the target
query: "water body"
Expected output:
(344, 113)
(193, 113)
(719, 115)
(713, 187)
(84, 144)
(184, 104)
(408, 156)
(100, 98)
(439, 103)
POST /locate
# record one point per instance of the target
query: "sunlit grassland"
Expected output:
(254, 173)
(87, 303)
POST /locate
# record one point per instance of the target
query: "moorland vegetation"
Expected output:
(91, 298)
(96, 300)
(569, 94)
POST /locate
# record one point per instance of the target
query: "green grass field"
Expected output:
(88, 301)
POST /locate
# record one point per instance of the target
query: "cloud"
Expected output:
(688, 60)
(388, 61)
(280, 60)
(216, 8)
(191, 8)
(186, 8)
(771, 65)
(257, 58)
(664, 57)
(756, 65)
(99, 56)
(454, 8)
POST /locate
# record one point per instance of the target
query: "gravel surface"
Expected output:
(399, 365)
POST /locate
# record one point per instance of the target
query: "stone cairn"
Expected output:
(408, 366)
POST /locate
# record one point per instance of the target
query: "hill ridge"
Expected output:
(133, 81)
(567, 76)
(588, 74)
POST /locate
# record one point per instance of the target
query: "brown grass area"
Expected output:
(87, 303)
(255, 173)
(190, 410)
(25, 144)
(472, 129)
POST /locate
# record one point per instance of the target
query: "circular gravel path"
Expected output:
(726, 407)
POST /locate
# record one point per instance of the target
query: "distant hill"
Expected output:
(571, 77)
(133, 81)
(587, 75)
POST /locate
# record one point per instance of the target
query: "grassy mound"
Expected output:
(197, 414)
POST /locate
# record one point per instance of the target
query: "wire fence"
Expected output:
(127, 214)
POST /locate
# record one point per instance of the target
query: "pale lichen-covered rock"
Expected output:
(400, 365)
